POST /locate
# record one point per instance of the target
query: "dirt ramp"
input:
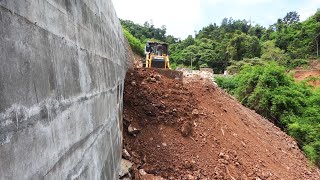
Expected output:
(197, 131)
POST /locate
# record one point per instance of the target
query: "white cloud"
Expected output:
(308, 9)
(179, 16)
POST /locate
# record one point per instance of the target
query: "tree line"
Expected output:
(217, 46)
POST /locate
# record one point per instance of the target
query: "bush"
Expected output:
(270, 91)
(237, 66)
(134, 43)
(227, 83)
(297, 63)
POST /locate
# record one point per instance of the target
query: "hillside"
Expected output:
(194, 130)
(311, 74)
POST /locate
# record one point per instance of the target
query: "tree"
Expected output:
(291, 18)
(317, 39)
(257, 30)
(188, 42)
(243, 45)
(272, 53)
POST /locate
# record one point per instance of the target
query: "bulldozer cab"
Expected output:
(156, 55)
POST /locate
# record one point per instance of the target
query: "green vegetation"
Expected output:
(145, 32)
(234, 40)
(271, 92)
(134, 43)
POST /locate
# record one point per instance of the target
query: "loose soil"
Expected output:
(194, 130)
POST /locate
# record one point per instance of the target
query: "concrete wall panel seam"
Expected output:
(63, 64)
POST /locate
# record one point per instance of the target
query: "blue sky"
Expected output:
(183, 17)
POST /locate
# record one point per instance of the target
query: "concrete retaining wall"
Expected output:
(62, 68)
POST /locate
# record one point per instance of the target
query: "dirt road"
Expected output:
(194, 130)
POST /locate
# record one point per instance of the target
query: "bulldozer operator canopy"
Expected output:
(157, 48)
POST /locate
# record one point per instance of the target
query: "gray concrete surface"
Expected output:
(62, 69)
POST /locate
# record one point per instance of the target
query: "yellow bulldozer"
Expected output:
(157, 55)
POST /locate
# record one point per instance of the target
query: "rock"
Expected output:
(265, 175)
(125, 154)
(151, 177)
(143, 83)
(164, 144)
(132, 130)
(190, 177)
(142, 175)
(133, 83)
(186, 128)
(153, 80)
(125, 167)
(126, 120)
(195, 112)
(157, 77)
(243, 144)
(142, 172)
(144, 159)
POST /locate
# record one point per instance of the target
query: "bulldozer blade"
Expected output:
(172, 74)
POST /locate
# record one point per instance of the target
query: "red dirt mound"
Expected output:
(197, 131)
(300, 75)
(304, 74)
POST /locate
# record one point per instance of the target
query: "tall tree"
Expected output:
(291, 18)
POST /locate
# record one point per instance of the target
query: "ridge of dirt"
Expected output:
(194, 130)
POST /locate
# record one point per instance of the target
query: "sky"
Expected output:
(183, 17)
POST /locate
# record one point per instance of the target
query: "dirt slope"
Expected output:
(197, 131)
(313, 71)
(300, 75)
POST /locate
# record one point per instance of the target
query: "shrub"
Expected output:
(134, 43)
(237, 66)
(227, 83)
(297, 63)
(270, 91)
